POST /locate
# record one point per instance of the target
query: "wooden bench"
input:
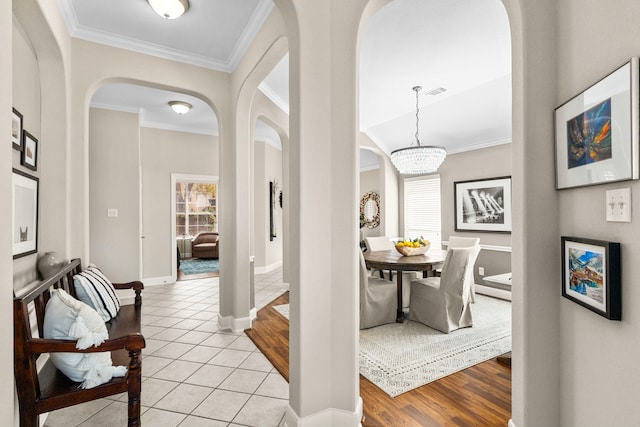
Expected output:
(49, 389)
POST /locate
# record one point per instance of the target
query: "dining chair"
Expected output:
(384, 243)
(444, 303)
(378, 299)
(468, 242)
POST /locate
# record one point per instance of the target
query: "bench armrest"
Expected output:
(133, 342)
(136, 285)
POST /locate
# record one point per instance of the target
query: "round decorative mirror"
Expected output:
(370, 210)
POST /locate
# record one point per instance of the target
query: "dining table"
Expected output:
(395, 261)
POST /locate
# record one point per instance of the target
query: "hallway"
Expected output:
(193, 374)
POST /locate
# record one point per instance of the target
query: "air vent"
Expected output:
(435, 91)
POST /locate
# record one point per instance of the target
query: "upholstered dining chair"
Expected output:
(444, 303)
(468, 242)
(378, 299)
(384, 243)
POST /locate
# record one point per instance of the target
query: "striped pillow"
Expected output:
(95, 290)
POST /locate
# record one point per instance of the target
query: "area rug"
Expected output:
(399, 357)
(198, 266)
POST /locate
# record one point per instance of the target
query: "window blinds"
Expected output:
(422, 209)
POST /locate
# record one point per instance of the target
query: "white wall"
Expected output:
(599, 378)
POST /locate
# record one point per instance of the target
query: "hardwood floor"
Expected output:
(477, 396)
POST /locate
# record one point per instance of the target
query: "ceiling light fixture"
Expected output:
(418, 159)
(169, 9)
(180, 107)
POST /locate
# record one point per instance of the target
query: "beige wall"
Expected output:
(599, 357)
(267, 167)
(162, 153)
(114, 183)
(26, 99)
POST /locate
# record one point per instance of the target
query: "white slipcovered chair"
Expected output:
(383, 243)
(444, 303)
(468, 242)
(378, 299)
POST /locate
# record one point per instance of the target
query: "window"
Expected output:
(195, 208)
(422, 209)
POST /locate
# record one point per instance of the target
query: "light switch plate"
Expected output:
(112, 212)
(618, 205)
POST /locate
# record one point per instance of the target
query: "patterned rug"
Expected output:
(400, 357)
(198, 266)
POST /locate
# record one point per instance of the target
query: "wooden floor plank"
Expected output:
(477, 396)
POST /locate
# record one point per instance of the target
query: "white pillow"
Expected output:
(67, 318)
(94, 289)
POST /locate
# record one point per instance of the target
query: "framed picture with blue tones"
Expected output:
(596, 132)
(591, 275)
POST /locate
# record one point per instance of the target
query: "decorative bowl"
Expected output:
(408, 251)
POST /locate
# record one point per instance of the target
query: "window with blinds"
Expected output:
(422, 209)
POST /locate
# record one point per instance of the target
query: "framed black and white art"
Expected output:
(24, 203)
(483, 205)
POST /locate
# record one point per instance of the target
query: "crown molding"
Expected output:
(112, 107)
(259, 16)
(481, 145)
(257, 20)
(269, 93)
(167, 126)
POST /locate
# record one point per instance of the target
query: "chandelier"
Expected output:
(418, 159)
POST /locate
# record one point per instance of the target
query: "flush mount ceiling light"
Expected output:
(180, 107)
(169, 9)
(418, 159)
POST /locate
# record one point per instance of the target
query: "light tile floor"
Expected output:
(193, 374)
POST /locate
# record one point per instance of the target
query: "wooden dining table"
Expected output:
(395, 261)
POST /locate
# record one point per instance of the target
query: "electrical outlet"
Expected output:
(481, 271)
(619, 205)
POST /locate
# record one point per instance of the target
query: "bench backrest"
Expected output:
(38, 294)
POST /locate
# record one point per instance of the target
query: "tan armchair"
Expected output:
(205, 245)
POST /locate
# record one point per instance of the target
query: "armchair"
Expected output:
(205, 245)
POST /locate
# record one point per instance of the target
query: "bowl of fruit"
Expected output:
(413, 247)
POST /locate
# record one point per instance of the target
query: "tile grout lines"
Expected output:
(193, 374)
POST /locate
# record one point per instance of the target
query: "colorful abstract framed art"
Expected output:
(596, 132)
(591, 275)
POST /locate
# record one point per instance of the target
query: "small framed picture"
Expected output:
(596, 132)
(483, 205)
(16, 130)
(29, 156)
(25, 214)
(591, 275)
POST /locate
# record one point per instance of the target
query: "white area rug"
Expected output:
(282, 309)
(400, 357)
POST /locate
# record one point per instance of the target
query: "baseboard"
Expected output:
(268, 268)
(493, 292)
(328, 417)
(233, 324)
(511, 423)
(152, 281)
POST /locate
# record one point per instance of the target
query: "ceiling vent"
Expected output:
(435, 91)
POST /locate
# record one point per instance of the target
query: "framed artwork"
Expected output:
(16, 130)
(483, 205)
(591, 275)
(24, 203)
(596, 132)
(29, 155)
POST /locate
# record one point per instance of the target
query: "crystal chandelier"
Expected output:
(418, 159)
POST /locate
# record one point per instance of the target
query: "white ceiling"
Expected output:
(460, 45)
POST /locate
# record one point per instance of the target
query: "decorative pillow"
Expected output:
(94, 289)
(67, 318)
